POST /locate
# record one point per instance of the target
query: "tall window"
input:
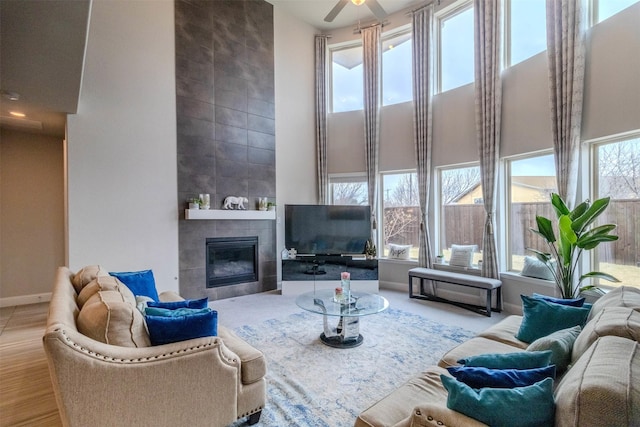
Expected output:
(401, 211)
(348, 190)
(531, 182)
(455, 53)
(396, 69)
(603, 9)
(525, 22)
(461, 209)
(617, 167)
(347, 79)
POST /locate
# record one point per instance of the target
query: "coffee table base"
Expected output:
(337, 341)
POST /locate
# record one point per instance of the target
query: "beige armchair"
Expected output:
(210, 381)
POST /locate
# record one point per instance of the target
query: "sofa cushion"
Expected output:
(619, 321)
(622, 296)
(167, 326)
(537, 269)
(85, 275)
(140, 282)
(479, 377)
(462, 255)
(102, 284)
(502, 407)
(515, 360)
(561, 344)
(474, 346)
(602, 387)
(109, 319)
(505, 332)
(541, 318)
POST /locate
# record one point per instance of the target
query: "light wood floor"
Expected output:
(26, 394)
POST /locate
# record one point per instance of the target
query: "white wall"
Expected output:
(122, 188)
(31, 215)
(296, 178)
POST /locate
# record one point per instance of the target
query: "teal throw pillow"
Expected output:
(575, 302)
(560, 343)
(503, 407)
(478, 377)
(515, 360)
(188, 303)
(139, 282)
(541, 318)
(180, 324)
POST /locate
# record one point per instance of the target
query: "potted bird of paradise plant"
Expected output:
(575, 235)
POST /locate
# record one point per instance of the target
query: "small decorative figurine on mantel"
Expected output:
(233, 202)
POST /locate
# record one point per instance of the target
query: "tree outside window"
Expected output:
(401, 207)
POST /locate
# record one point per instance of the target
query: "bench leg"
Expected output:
(489, 302)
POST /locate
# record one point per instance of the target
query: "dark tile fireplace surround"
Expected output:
(226, 132)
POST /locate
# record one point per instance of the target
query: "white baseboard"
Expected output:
(25, 299)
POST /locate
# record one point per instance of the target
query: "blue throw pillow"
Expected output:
(541, 318)
(477, 377)
(188, 303)
(521, 406)
(574, 302)
(182, 326)
(139, 282)
(515, 360)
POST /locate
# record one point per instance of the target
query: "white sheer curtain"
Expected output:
(488, 94)
(372, 57)
(422, 37)
(321, 118)
(566, 55)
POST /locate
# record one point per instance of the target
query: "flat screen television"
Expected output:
(326, 229)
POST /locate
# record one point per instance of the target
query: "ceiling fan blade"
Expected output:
(336, 10)
(376, 9)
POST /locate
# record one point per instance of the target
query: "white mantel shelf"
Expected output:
(228, 214)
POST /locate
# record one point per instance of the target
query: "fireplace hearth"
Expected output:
(231, 260)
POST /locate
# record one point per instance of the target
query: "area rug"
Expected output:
(310, 384)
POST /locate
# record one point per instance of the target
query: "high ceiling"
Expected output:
(42, 45)
(314, 11)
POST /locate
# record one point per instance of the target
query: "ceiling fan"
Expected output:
(373, 5)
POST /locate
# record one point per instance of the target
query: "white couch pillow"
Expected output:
(462, 255)
(399, 251)
(533, 267)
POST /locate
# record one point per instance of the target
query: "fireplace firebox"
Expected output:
(231, 260)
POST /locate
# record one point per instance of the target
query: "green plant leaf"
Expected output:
(559, 205)
(567, 239)
(542, 256)
(593, 241)
(590, 215)
(599, 275)
(545, 229)
(579, 210)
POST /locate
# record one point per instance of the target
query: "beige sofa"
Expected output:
(210, 381)
(601, 387)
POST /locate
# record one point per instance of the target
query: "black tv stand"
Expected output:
(316, 269)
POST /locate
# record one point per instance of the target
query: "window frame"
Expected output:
(506, 44)
(385, 37)
(590, 168)
(440, 17)
(381, 206)
(336, 48)
(352, 177)
(439, 216)
(506, 222)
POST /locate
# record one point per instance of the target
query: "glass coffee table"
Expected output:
(347, 333)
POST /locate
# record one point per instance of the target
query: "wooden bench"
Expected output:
(468, 280)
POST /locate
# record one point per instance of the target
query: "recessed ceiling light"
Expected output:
(11, 96)
(17, 114)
